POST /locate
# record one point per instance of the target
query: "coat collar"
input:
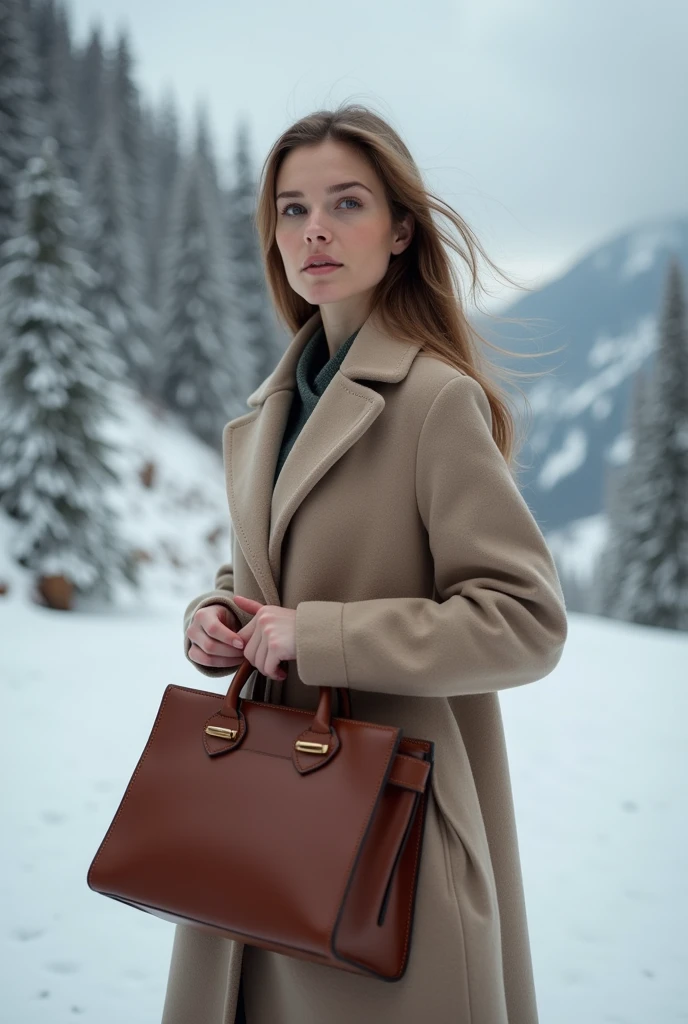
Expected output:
(251, 442)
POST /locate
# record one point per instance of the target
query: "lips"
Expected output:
(327, 268)
(322, 260)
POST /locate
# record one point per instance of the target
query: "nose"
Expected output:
(315, 228)
(316, 232)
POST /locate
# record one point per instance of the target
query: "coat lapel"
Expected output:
(251, 442)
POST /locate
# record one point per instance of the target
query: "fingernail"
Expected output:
(238, 643)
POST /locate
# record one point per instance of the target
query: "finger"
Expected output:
(262, 655)
(201, 657)
(219, 632)
(251, 640)
(248, 631)
(209, 644)
(271, 664)
(274, 667)
(248, 603)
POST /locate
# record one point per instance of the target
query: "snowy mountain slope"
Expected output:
(604, 311)
(598, 756)
(577, 546)
(180, 523)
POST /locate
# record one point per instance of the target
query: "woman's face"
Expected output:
(352, 224)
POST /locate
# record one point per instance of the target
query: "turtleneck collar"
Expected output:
(316, 368)
(314, 371)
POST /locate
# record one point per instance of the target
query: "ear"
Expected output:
(403, 233)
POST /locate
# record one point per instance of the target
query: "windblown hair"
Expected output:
(419, 299)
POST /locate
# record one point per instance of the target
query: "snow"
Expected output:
(577, 547)
(616, 359)
(645, 245)
(562, 409)
(599, 762)
(566, 460)
(620, 450)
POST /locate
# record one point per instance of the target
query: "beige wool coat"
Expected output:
(421, 582)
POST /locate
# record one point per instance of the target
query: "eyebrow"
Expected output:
(329, 190)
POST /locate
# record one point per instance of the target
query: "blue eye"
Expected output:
(347, 199)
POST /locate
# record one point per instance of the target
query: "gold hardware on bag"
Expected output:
(312, 748)
(217, 730)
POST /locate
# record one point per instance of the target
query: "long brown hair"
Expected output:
(419, 298)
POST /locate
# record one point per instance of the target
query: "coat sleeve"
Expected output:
(222, 594)
(500, 617)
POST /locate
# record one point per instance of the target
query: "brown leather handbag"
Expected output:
(280, 827)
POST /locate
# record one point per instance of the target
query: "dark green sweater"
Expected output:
(314, 371)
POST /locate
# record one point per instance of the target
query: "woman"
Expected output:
(380, 543)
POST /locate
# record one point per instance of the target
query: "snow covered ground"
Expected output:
(599, 762)
(598, 750)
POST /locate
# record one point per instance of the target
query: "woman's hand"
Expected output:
(270, 636)
(212, 633)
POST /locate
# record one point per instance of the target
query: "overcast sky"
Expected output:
(549, 124)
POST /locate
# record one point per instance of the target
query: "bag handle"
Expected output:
(319, 742)
(231, 701)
